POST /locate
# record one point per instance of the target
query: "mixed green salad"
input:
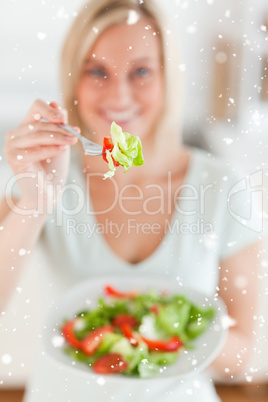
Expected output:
(134, 333)
(121, 149)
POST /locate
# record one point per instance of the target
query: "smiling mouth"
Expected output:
(123, 117)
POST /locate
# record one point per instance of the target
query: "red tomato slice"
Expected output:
(127, 331)
(108, 146)
(92, 341)
(111, 291)
(121, 319)
(110, 364)
(68, 333)
(171, 345)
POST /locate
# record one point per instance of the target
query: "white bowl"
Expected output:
(85, 296)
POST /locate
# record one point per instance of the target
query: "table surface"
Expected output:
(235, 393)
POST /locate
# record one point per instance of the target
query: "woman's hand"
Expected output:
(38, 153)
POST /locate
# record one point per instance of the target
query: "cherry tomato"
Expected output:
(68, 333)
(108, 146)
(92, 341)
(110, 364)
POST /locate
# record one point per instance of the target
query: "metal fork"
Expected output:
(90, 147)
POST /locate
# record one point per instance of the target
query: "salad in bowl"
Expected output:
(140, 329)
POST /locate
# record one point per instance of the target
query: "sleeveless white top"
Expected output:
(205, 229)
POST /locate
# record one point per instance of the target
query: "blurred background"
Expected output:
(225, 64)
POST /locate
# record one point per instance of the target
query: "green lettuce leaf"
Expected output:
(163, 358)
(127, 150)
(110, 172)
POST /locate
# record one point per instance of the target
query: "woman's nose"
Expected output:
(121, 91)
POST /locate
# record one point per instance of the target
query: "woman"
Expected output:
(119, 64)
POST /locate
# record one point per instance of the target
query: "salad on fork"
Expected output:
(120, 149)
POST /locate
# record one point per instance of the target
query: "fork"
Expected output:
(90, 147)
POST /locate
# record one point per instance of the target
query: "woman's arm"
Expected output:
(239, 289)
(18, 236)
(38, 153)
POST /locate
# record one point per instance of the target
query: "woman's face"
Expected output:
(122, 81)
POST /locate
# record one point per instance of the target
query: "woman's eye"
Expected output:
(97, 73)
(141, 72)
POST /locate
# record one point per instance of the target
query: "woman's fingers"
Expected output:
(39, 134)
(56, 106)
(36, 141)
(37, 154)
(41, 109)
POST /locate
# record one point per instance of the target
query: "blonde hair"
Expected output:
(94, 18)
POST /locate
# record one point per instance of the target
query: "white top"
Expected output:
(205, 229)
